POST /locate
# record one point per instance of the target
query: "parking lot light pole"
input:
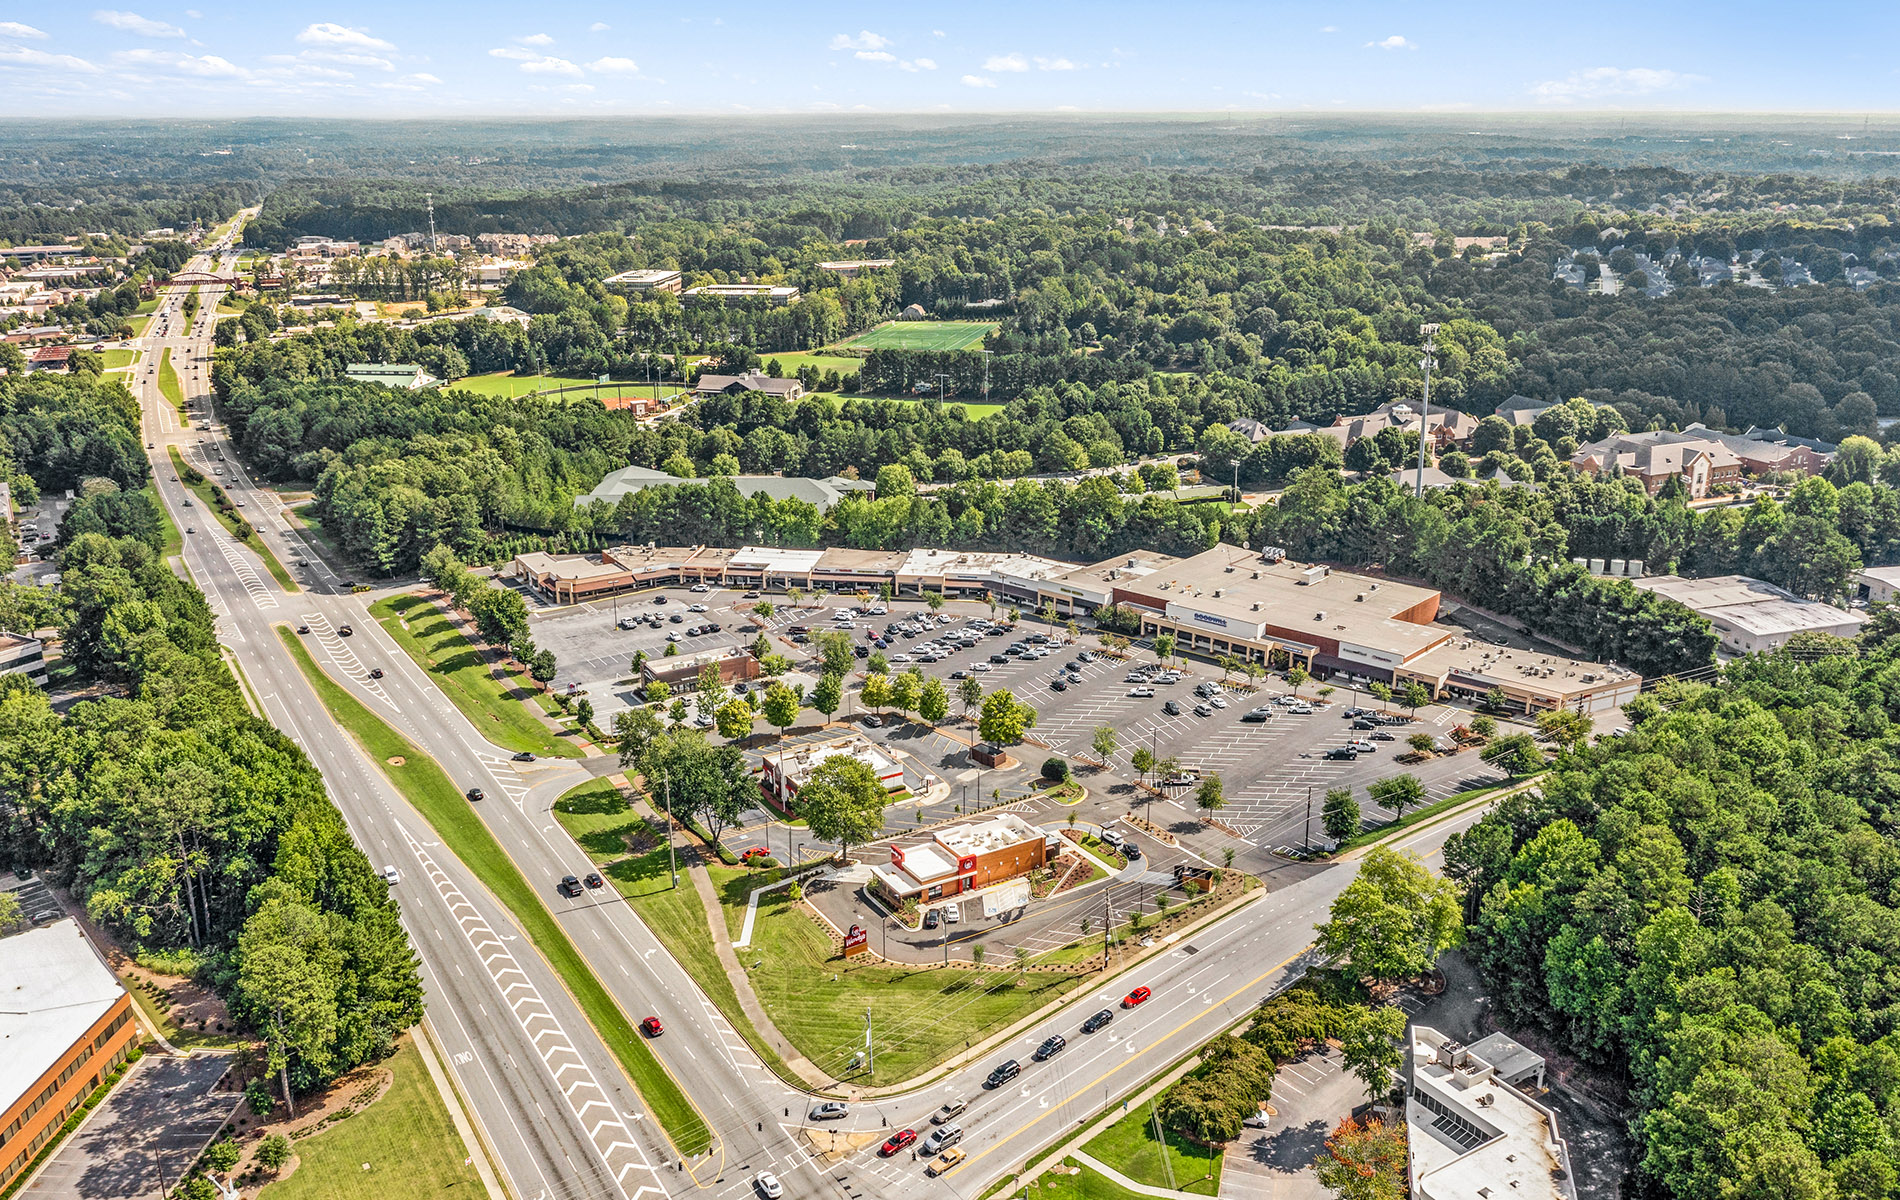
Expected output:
(1308, 843)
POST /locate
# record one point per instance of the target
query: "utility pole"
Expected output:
(870, 1054)
(1108, 921)
(431, 197)
(672, 865)
(986, 376)
(1425, 409)
(941, 378)
(1308, 843)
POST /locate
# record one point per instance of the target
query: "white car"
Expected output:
(981, 668)
(700, 587)
(900, 658)
(1217, 700)
(392, 876)
(1142, 693)
(676, 636)
(769, 1186)
(878, 610)
(696, 608)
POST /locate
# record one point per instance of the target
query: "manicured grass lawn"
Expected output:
(496, 708)
(789, 361)
(229, 519)
(509, 385)
(1381, 832)
(406, 1137)
(920, 1015)
(168, 385)
(923, 335)
(424, 784)
(1086, 1184)
(139, 323)
(114, 359)
(1129, 1146)
(598, 817)
(174, 543)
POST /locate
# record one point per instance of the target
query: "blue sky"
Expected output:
(417, 59)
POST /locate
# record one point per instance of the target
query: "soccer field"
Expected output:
(923, 335)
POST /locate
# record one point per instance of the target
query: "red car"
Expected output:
(897, 1141)
(755, 852)
(652, 1027)
(1138, 996)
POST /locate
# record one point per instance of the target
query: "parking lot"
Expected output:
(144, 1135)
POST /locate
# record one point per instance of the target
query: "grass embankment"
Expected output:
(118, 359)
(494, 706)
(1084, 1184)
(168, 385)
(406, 1138)
(597, 816)
(181, 1036)
(174, 543)
(1129, 1146)
(232, 520)
(428, 789)
(1366, 837)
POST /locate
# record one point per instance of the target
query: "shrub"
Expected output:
(273, 1152)
(1055, 769)
(221, 1156)
(257, 1095)
(765, 862)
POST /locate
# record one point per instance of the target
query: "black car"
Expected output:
(1098, 1020)
(525, 756)
(1130, 851)
(799, 639)
(1058, 685)
(473, 793)
(999, 658)
(376, 673)
(1381, 735)
(1347, 753)
(932, 918)
(659, 599)
(677, 619)
(1003, 1074)
(569, 886)
(1051, 1047)
(959, 673)
(344, 630)
(861, 651)
(1172, 708)
(1362, 723)
(1257, 715)
(593, 879)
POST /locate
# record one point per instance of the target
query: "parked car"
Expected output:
(1362, 746)
(830, 1110)
(1202, 710)
(1098, 1021)
(1172, 708)
(1131, 851)
(1137, 997)
(1346, 753)
(659, 599)
(1365, 724)
(932, 918)
(524, 756)
(1113, 839)
(1257, 715)
(1141, 693)
(1059, 685)
(872, 721)
(952, 914)
(700, 587)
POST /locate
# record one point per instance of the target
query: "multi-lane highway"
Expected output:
(561, 1118)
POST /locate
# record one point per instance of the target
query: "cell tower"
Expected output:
(431, 200)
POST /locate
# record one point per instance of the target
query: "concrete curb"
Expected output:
(467, 1124)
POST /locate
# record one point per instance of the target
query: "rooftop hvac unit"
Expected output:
(1314, 574)
(1217, 592)
(1256, 606)
(1360, 598)
(1256, 574)
(1133, 562)
(1319, 616)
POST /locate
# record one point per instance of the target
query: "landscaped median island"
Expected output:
(429, 790)
(219, 505)
(496, 706)
(168, 385)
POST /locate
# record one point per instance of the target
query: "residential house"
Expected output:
(1701, 462)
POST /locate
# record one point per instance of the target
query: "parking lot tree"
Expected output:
(1231, 1081)
(222, 1155)
(658, 691)
(835, 649)
(1369, 1046)
(795, 596)
(1296, 677)
(1014, 614)
(1393, 920)
(1397, 793)
(1004, 718)
(733, 719)
(711, 784)
(1143, 760)
(584, 712)
(1211, 795)
(1227, 664)
(1566, 727)
(775, 664)
(828, 694)
(1022, 956)
(1416, 695)
(1104, 742)
(977, 954)
(543, 668)
(933, 600)
(884, 592)
(1422, 742)
(639, 661)
(677, 711)
(876, 691)
(1164, 647)
(1055, 768)
(761, 646)
(1514, 754)
(933, 702)
(1484, 725)
(1495, 701)
(672, 650)
(764, 609)
(970, 692)
(1364, 1161)
(709, 689)
(906, 689)
(781, 707)
(843, 802)
(1382, 692)
(1167, 768)
(1340, 815)
(877, 664)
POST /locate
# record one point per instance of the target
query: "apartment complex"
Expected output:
(66, 1023)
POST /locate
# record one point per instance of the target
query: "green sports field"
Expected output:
(923, 335)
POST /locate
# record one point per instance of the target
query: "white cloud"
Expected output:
(1006, 62)
(599, 27)
(1053, 64)
(24, 56)
(937, 33)
(131, 22)
(614, 66)
(14, 29)
(866, 40)
(578, 87)
(1602, 82)
(194, 14)
(514, 52)
(420, 77)
(1329, 29)
(875, 56)
(206, 66)
(1395, 42)
(536, 39)
(550, 66)
(921, 64)
(977, 81)
(325, 33)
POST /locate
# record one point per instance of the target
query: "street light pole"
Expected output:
(1308, 843)
(1425, 408)
(672, 864)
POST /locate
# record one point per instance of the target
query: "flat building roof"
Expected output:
(53, 988)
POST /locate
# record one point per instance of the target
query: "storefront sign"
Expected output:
(966, 865)
(1210, 619)
(897, 856)
(856, 939)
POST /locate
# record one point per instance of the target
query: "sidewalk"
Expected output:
(1090, 1161)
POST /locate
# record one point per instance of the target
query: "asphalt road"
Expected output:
(562, 1119)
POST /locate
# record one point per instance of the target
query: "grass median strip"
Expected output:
(232, 520)
(456, 664)
(428, 789)
(168, 385)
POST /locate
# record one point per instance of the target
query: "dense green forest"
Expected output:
(188, 826)
(1707, 906)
